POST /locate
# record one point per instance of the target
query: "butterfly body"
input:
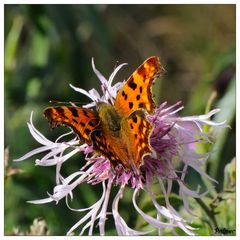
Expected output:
(121, 131)
(109, 117)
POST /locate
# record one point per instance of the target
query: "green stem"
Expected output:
(209, 213)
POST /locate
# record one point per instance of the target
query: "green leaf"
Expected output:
(227, 106)
(11, 42)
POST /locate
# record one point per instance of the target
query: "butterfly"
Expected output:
(120, 132)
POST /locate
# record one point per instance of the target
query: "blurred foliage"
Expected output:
(49, 46)
(38, 228)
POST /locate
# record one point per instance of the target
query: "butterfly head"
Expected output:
(109, 117)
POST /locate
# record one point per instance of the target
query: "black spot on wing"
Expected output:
(134, 118)
(124, 95)
(130, 105)
(87, 131)
(73, 111)
(82, 124)
(132, 84)
(74, 120)
(141, 105)
(91, 124)
(85, 113)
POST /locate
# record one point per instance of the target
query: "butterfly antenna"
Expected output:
(70, 102)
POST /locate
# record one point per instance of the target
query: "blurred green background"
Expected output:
(49, 46)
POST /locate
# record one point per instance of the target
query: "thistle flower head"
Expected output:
(173, 139)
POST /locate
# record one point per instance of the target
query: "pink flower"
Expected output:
(173, 139)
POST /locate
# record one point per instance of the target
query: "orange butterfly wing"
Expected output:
(82, 120)
(107, 146)
(136, 92)
(140, 130)
(133, 101)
